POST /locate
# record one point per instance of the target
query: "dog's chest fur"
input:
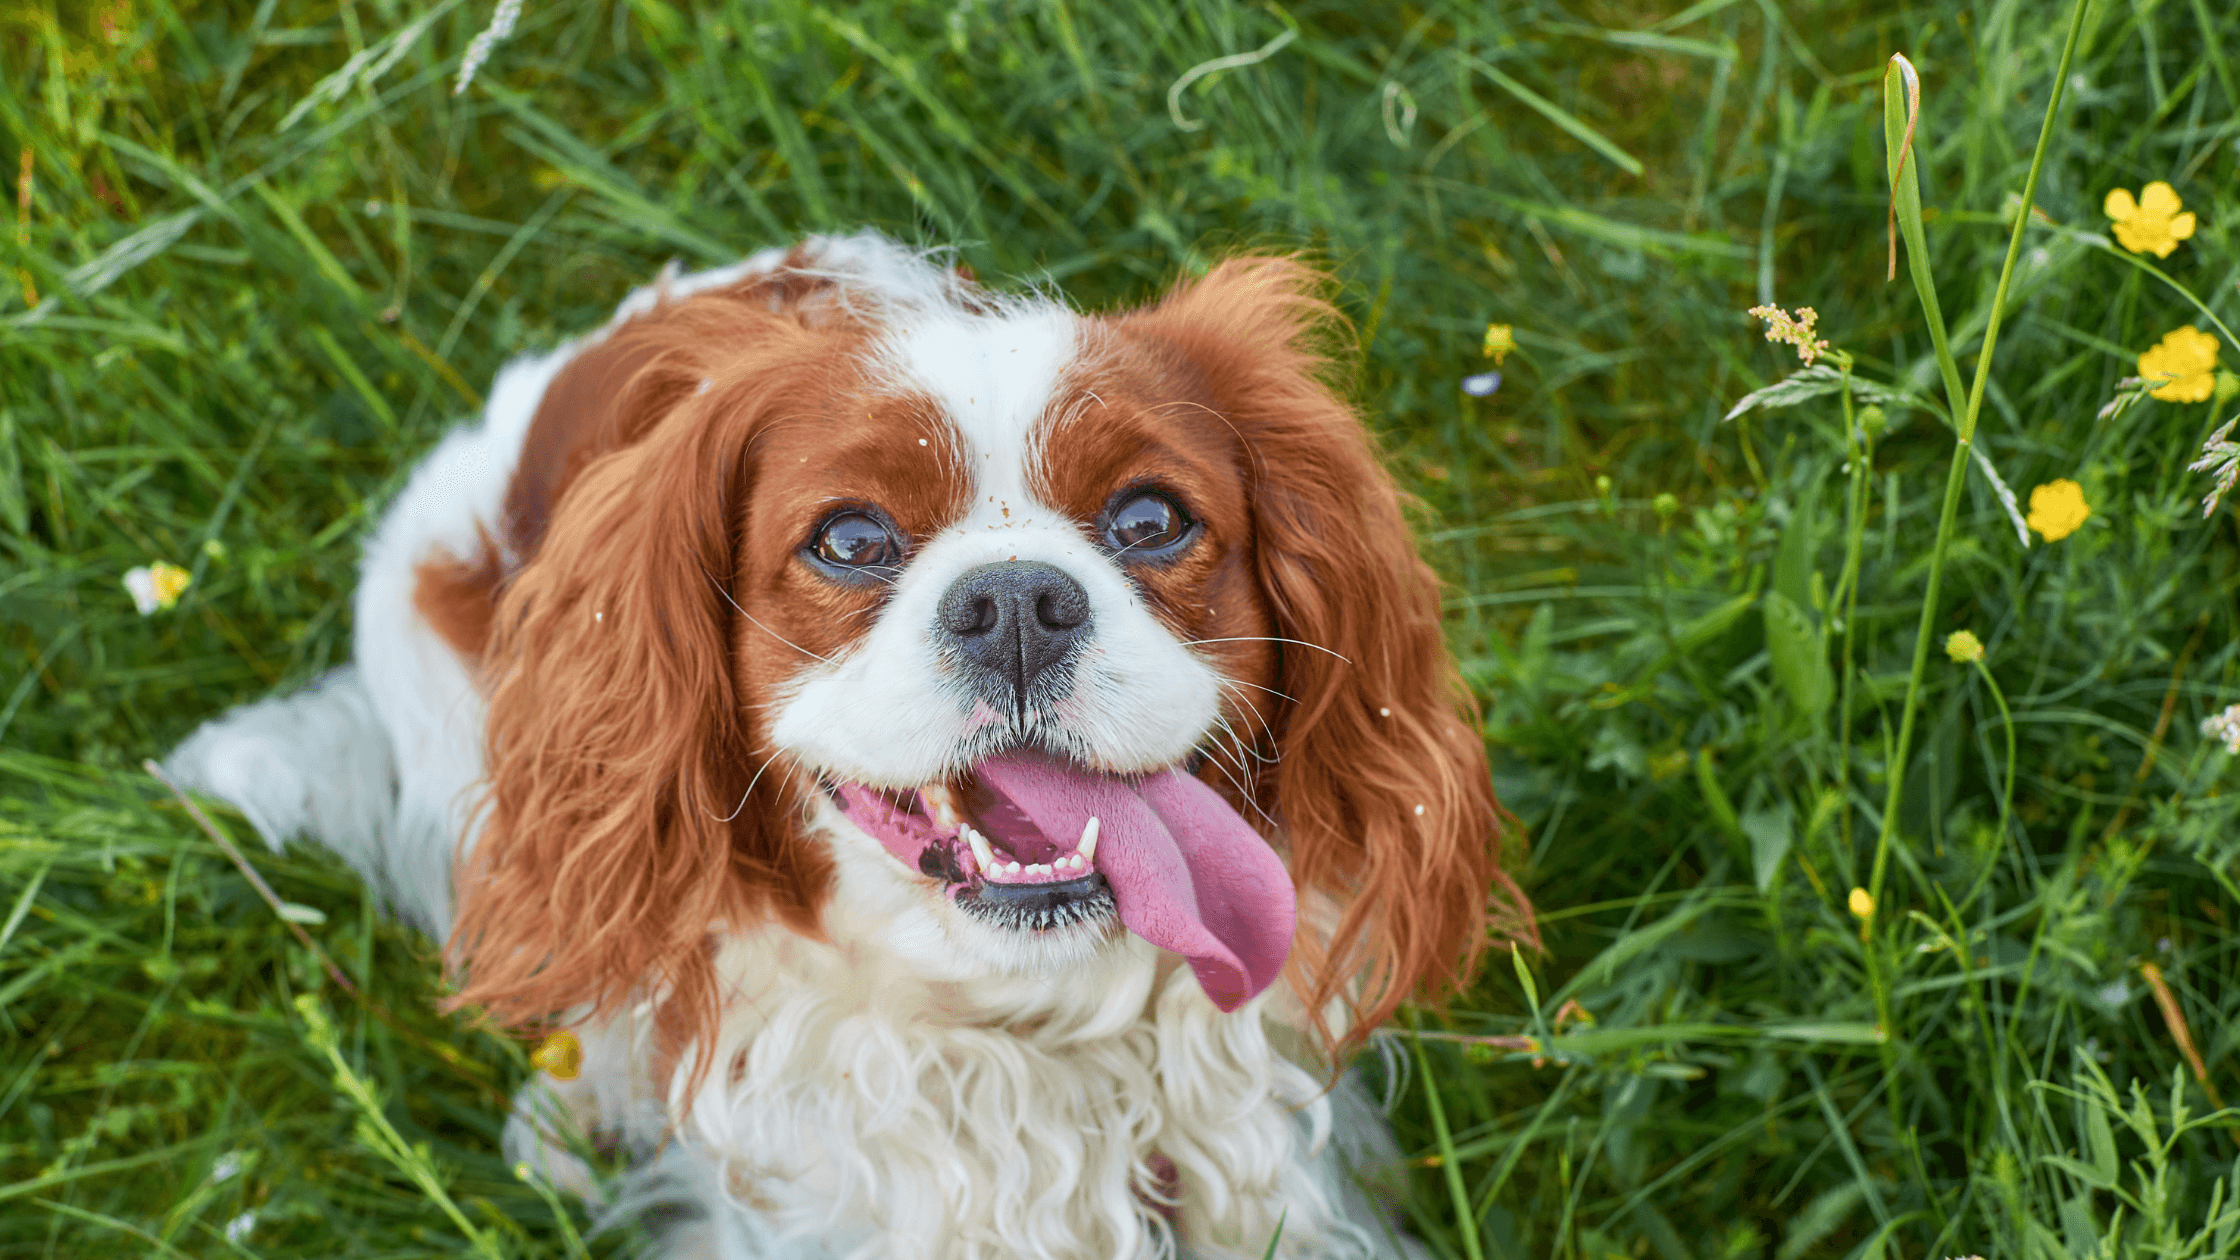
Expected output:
(859, 1104)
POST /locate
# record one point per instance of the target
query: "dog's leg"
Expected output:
(314, 765)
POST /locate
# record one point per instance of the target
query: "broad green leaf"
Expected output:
(1798, 659)
(1818, 381)
(1802, 386)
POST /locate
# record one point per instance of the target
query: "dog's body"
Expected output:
(795, 1002)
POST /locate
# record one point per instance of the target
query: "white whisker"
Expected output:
(772, 760)
(765, 629)
(1265, 638)
(1249, 748)
(1266, 731)
(1239, 682)
(1242, 791)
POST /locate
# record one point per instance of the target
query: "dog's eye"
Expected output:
(1146, 523)
(853, 540)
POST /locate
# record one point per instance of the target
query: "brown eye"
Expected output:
(1145, 525)
(853, 540)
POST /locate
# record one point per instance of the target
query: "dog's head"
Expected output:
(1069, 625)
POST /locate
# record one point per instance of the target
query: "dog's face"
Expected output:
(1057, 626)
(1002, 592)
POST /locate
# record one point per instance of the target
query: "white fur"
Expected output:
(316, 763)
(907, 1087)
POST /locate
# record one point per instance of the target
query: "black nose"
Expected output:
(1015, 623)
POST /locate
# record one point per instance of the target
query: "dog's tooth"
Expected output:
(1011, 868)
(1037, 868)
(1088, 846)
(943, 803)
(980, 850)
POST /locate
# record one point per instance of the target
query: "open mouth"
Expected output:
(1034, 843)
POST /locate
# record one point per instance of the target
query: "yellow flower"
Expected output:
(1862, 904)
(1964, 647)
(560, 1055)
(2152, 224)
(2184, 364)
(2057, 509)
(156, 586)
(1500, 340)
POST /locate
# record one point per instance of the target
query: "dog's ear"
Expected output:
(1381, 783)
(618, 829)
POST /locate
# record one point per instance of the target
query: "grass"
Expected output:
(263, 256)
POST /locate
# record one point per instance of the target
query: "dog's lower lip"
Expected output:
(1040, 907)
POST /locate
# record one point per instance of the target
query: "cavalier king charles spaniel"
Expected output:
(965, 770)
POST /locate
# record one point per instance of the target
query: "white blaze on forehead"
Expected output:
(888, 711)
(994, 377)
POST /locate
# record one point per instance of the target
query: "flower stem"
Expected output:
(1874, 946)
(1896, 769)
(2006, 719)
(1859, 450)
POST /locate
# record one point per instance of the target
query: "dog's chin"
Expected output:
(1002, 947)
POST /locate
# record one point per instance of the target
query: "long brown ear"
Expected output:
(1381, 783)
(619, 828)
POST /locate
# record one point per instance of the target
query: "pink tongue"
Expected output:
(1186, 872)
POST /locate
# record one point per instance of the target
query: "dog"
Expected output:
(966, 772)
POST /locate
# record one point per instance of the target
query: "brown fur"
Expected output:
(1337, 565)
(458, 598)
(579, 418)
(623, 670)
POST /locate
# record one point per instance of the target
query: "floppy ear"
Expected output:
(618, 825)
(1381, 784)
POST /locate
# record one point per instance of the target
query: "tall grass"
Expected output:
(263, 255)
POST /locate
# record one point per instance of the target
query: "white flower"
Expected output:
(155, 586)
(238, 1228)
(2225, 726)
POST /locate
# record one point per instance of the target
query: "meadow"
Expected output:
(1858, 940)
